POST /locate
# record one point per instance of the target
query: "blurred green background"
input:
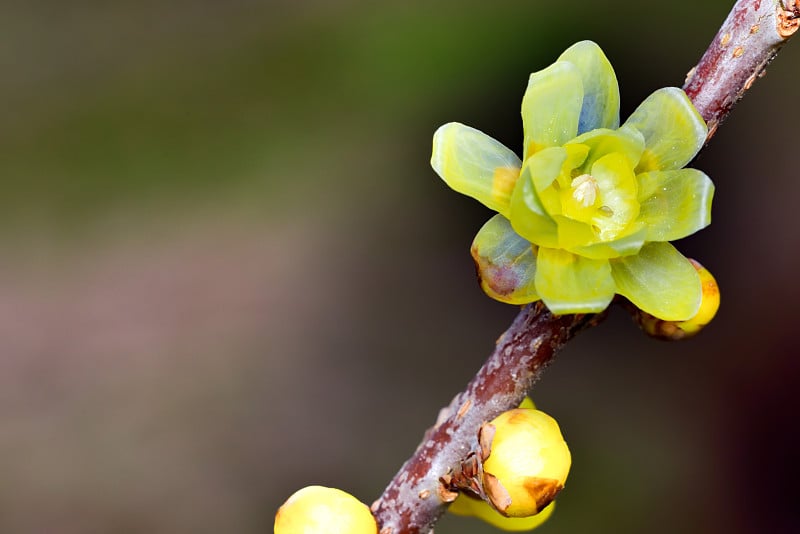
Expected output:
(228, 270)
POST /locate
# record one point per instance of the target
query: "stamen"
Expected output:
(585, 190)
(605, 210)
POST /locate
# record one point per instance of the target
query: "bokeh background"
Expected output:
(228, 270)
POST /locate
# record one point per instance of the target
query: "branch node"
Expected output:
(788, 18)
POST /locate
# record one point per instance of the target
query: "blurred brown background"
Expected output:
(228, 270)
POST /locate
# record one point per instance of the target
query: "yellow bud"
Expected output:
(321, 510)
(677, 330)
(527, 461)
(708, 305)
(474, 507)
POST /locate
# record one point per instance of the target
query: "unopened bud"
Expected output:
(467, 505)
(676, 330)
(527, 461)
(321, 510)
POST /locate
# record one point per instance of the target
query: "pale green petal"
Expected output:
(660, 281)
(630, 243)
(674, 204)
(545, 166)
(673, 130)
(505, 261)
(576, 157)
(529, 217)
(600, 90)
(551, 107)
(573, 234)
(474, 164)
(601, 142)
(618, 196)
(572, 284)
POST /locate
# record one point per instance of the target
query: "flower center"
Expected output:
(585, 190)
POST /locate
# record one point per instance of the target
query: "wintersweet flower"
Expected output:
(590, 209)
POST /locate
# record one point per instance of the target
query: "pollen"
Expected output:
(585, 190)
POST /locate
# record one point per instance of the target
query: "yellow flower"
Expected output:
(589, 210)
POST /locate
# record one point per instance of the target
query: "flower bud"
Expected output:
(708, 305)
(676, 330)
(321, 510)
(525, 461)
(467, 505)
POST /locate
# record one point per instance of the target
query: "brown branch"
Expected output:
(747, 41)
(415, 499)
